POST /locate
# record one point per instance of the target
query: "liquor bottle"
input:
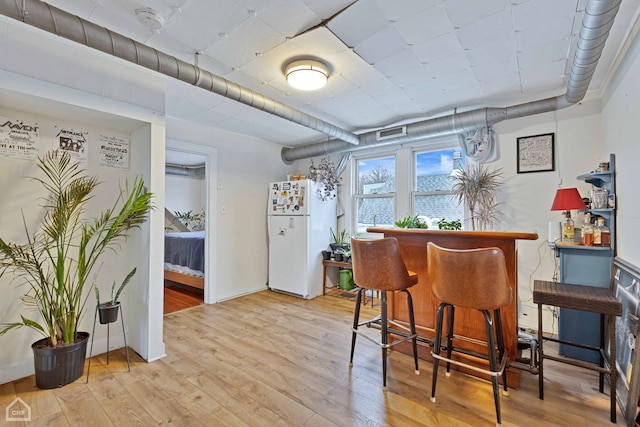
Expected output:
(587, 231)
(605, 239)
(597, 232)
(568, 228)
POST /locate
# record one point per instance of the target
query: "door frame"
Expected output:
(211, 184)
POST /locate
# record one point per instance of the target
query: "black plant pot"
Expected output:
(336, 246)
(58, 366)
(108, 312)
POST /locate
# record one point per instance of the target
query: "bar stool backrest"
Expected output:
(378, 265)
(472, 278)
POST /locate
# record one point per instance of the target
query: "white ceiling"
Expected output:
(390, 61)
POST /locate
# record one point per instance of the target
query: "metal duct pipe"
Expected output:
(64, 24)
(181, 170)
(596, 24)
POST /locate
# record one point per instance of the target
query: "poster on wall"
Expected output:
(73, 142)
(18, 139)
(114, 152)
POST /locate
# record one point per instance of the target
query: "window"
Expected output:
(431, 195)
(375, 196)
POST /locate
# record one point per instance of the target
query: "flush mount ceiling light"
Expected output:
(307, 74)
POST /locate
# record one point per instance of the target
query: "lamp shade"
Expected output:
(567, 199)
(307, 74)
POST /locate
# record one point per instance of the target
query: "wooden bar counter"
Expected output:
(469, 323)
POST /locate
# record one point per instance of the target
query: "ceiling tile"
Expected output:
(424, 25)
(545, 33)
(498, 68)
(556, 51)
(401, 61)
(532, 13)
(380, 46)
(491, 51)
(222, 16)
(411, 77)
(489, 29)
(359, 22)
(287, 17)
(464, 12)
(398, 10)
(438, 47)
(448, 65)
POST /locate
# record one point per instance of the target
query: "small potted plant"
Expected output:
(345, 254)
(108, 311)
(339, 240)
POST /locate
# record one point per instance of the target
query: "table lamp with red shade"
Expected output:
(567, 199)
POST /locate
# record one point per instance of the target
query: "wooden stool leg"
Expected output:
(540, 355)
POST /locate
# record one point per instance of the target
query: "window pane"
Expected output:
(437, 207)
(376, 176)
(434, 168)
(378, 211)
(433, 175)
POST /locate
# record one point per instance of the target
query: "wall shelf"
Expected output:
(590, 266)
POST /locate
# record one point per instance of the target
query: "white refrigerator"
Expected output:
(299, 218)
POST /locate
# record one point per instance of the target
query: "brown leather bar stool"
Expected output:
(378, 266)
(477, 279)
(586, 298)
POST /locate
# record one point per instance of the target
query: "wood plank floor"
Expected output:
(180, 297)
(269, 359)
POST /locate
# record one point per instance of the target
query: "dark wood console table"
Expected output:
(469, 323)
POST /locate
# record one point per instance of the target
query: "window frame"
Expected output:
(356, 192)
(405, 175)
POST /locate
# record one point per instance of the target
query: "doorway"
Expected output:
(188, 228)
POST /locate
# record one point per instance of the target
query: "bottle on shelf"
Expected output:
(568, 232)
(605, 233)
(587, 231)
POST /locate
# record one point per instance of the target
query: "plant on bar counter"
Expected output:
(411, 222)
(449, 225)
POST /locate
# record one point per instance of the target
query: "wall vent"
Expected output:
(391, 133)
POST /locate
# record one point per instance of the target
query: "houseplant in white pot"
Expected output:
(56, 262)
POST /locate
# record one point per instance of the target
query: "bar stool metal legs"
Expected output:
(126, 348)
(382, 322)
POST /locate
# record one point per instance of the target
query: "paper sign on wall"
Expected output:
(18, 139)
(114, 152)
(73, 142)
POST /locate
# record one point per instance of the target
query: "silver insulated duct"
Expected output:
(596, 24)
(64, 24)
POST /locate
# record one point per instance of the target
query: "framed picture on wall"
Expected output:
(536, 153)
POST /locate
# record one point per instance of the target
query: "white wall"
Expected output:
(621, 118)
(185, 193)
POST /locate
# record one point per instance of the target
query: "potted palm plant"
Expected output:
(56, 262)
(478, 187)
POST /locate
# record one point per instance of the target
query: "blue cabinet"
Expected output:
(587, 265)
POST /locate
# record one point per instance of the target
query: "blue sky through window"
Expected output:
(435, 162)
